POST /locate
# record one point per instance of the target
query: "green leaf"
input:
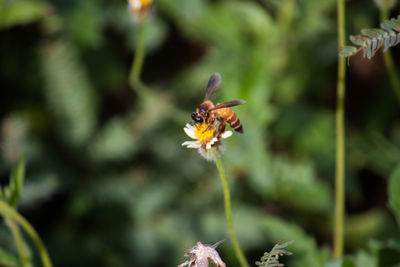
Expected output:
(21, 12)
(113, 142)
(7, 259)
(69, 94)
(371, 40)
(85, 13)
(394, 193)
(271, 258)
(13, 191)
(373, 33)
(347, 51)
(358, 40)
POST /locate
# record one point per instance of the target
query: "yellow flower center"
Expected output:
(204, 132)
(146, 2)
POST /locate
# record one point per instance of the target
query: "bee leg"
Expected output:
(209, 126)
(221, 127)
(203, 146)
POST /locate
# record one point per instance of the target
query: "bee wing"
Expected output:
(228, 104)
(213, 84)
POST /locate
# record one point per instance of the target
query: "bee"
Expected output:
(208, 113)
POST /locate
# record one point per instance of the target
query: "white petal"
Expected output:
(215, 139)
(208, 146)
(135, 4)
(191, 127)
(226, 134)
(189, 130)
(191, 144)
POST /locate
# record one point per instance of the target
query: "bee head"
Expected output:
(203, 110)
(196, 118)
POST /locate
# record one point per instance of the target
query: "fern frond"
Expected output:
(271, 259)
(371, 40)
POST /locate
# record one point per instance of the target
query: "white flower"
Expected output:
(207, 142)
(201, 254)
(140, 8)
(134, 5)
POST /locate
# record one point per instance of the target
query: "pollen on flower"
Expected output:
(208, 143)
(204, 132)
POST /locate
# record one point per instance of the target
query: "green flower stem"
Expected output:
(9, 213)
(340, 141)
(140, 53)
(388, 59)
(148, 114)
(20, 242)
(238, 250)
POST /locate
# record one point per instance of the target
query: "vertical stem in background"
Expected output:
(9, 213)
(391, 69)
(238, 250)
(140, 52)
(23, 255)
(340, 141)
(388, 59)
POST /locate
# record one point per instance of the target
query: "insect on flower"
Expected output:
(207, 113)
(209, 123)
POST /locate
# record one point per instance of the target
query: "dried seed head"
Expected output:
(201, 254)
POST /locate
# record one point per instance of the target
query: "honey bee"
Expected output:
(208, 113)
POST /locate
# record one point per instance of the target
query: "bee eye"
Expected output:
(197, 118)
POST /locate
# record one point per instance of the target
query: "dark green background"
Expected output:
(108, 182)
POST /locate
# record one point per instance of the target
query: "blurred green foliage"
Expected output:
(107, 181)
(12, 193)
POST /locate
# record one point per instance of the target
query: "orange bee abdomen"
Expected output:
(230, 116)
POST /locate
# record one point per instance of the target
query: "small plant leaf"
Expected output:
(270, 259)
(358, 40)
(394, 193)
(12, 193)
(347, 51)
(284, 245)
(371, 40)
(373, 33)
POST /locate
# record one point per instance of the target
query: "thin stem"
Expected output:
(340, 141)
(140, 53)
(9, 212)
(388, 59)
(20, 242)
(238, 250)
